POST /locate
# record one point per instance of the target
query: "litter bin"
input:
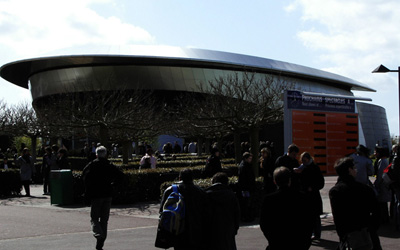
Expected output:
(61, 186)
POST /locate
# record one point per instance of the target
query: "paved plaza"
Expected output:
(32, 223)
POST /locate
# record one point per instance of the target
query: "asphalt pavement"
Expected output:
(32, 223)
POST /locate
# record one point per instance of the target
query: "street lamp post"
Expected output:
(383, 69)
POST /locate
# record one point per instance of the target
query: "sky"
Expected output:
(347, 37)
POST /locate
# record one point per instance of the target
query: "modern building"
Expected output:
(163, 68)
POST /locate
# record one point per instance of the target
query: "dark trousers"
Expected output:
(317, 226)
(396, 208)
(384, 212)
(99, 214)
(246, 208)
(26, 187)
(46, 183)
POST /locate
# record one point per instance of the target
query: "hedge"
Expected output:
(143, 185)
(138, 185)
(79, 163)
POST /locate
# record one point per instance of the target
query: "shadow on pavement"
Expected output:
(325, 244)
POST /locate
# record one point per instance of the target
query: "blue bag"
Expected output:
(173, 215)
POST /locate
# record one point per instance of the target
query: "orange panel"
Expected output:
(326, 136)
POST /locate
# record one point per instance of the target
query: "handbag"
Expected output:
(359, 240)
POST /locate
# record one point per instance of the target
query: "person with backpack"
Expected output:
(148, 161)
(189, 229)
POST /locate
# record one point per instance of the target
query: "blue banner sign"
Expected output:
(298, 100)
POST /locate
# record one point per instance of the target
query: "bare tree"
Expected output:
(241, 103)
(122, 115)
(4, 118)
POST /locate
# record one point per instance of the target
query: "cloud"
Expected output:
(352, 36)
(30, 28)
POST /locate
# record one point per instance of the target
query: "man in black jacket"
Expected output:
(286, 215)
(224, 214)
(290, 161)
(354, 204)
(195, 216)
(213, 164)
(99, 176)
(247, 185)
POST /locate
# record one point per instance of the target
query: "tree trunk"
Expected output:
(104, 135)
(136, 150)
(208, 144)
(255, 146)
(238, 150)
(125, 151)
(200, 146)
(34, 146)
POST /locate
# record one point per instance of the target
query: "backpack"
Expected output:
(173, 215)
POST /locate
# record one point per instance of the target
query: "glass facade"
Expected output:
(96, 78)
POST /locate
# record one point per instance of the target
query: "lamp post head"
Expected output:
(381, 69)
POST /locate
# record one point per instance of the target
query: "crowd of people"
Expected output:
(291, 196)
(54, 158)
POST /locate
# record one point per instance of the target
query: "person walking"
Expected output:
(213, 164)
(52, 160)
(224, 214)
(27, 169)
(355, 209)
(394, 174)
(192, 147)
(193, 236)
(290, 161)
(177, 148)
(384, 194)
(247, 185)
(99, 177)
(286, 206)
(312, 181)
(62, 159)
(267, 168)
(46, 171)
(363, 164)
(148, 161)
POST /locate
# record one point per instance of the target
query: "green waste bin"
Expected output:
(61, 186)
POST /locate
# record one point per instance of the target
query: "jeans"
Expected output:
(99, 214)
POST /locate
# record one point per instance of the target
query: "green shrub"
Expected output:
(143, 185)
(79, 163)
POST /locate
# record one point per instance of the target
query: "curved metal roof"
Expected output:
(18, 72)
